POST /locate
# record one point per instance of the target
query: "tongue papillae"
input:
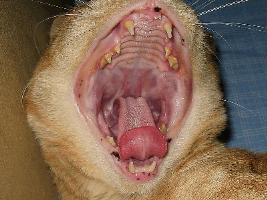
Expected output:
(138, 136)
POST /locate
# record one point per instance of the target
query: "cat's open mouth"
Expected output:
(135, 86)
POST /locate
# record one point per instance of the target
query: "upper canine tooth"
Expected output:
(108, 57)
(152, 167)
(131, 167)
(111, 140)
(129, 26)
(173, 62)
(103, 62)
(117, 48)
(168, 28)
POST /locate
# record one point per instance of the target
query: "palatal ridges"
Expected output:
(129, 25)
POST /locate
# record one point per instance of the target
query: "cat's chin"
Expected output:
(135, 85)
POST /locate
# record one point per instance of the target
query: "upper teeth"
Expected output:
(129, 26)
(168, 28)
(111, 140)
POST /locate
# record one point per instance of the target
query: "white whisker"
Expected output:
(238, 105)
(239, 25)
(204, 5)
(48, 4)
(49, 18)
(222, 6)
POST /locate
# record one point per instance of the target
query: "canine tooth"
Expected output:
(131, 167)
(167, 51)
(117, 48)
(173, 62)
(152, 167)
(129, 26)
(168, 28)
(111, 140)
(163, 128)
(108, 57)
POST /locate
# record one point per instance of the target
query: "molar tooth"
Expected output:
(173, 62)
(108, 57)
(168, 28)
(117, 48)
(167, 51)
(152, 167)
(111, 140)
(163, 128)
(129, 26)
(131, 167)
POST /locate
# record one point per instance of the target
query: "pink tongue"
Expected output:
(138, 136)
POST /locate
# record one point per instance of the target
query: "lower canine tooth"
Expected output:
(167, 51)
(163, 128)
(168, 28)
(152, 167)
(131, 167)
(129, 26)
(111, 140)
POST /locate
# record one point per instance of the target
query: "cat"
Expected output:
(116, 125)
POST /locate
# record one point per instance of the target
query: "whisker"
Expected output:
(238, 105)
(49, 18)
(48, 4)
(239, 25)
(204, 5)
(193, 3)
(222, 6)
(220, 37)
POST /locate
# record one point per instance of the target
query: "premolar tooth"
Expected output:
(152, 167)
(163, 128)
(168, 28)
(103, 62)
(117, 48)
(129, 26)
(167, 51)
(111, 140)
(173, 62)
(108, 57)
(131, 167)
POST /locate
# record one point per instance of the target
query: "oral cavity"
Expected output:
(139, 86)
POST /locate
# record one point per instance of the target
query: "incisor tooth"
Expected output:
(111, 140)
(129, 26)
(168, 28)
(173, 62)
(108, 57)
(131, 167)
(117, 48)
(167, 51)
(163, 128)
(152, 167)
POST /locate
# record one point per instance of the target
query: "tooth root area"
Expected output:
(168, 28)
(173, 62)
(117, 48)
(167, 51)
(152, 167)
(129, 26)
(131, 167)
(111, 140)
(163, 128)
